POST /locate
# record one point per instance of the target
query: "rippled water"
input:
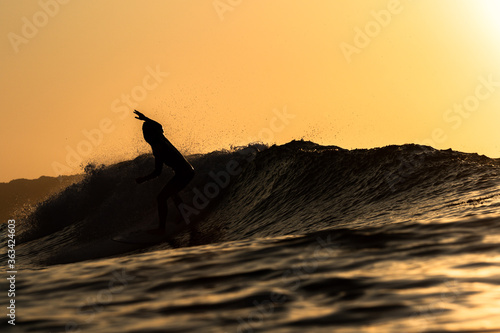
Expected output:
(421, 255)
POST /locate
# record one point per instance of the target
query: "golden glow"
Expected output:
(229, 70)
(490, 9)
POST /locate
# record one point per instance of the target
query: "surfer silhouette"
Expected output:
(164, 153)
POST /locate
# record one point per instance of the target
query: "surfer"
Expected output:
(165, 153)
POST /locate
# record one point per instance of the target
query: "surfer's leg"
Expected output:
(172, 189)
(162, 198)
(177, 200)
(184, 178)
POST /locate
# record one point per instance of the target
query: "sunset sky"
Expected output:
(356, 74)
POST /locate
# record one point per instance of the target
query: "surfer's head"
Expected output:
(152, 131)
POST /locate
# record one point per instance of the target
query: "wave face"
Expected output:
(292, 238)
(255, 191)
(302, 187)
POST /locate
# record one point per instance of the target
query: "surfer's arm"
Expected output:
(141, 116)
(156, 172)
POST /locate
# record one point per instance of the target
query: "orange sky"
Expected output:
(348, 74)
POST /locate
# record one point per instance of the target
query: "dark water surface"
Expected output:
(292, 238)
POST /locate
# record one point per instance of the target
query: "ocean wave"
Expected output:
(258, 191)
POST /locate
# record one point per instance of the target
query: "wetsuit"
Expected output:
(165, 153)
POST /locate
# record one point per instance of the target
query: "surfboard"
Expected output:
(142, 237)
(146, 236)
(173, 227)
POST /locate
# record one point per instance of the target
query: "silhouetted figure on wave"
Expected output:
(165, 153)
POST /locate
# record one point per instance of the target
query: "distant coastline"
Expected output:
(16, 194)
